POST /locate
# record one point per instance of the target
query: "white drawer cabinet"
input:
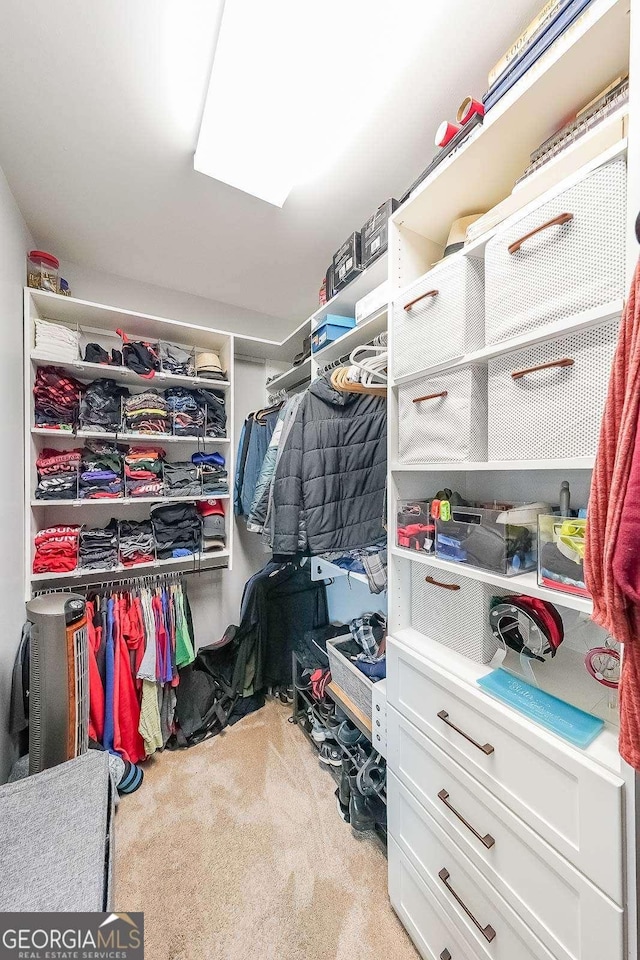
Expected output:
(572, 803)
(564, 909)
(432, 932)
(489, 923)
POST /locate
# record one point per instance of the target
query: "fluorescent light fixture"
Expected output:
(293, 81)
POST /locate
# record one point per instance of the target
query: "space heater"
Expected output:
(58, 680)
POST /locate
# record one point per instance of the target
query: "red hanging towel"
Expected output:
(612, 571)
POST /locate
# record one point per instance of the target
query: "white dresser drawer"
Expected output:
(564, 909)
(485, 919)
(564, 797)
(433, 933)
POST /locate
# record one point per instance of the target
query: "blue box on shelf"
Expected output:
(332, 329)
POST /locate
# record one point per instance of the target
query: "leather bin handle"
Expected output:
(445, 586)
(487, 932)
(432, 396)
(556, 222)
(565, 362)
(423, 296)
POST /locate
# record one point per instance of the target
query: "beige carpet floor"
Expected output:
(234, 850)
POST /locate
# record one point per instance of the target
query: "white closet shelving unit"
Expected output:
(506, 841)
(97, 322)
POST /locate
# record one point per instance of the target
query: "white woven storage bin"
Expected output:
(345, 675)
(565, 268)
(553, 412)
(450, 427)
(440, 317)
(459, 617)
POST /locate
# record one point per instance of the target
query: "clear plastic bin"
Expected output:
(503, 541)
(415, 527)
(42, 271)
(561, 543)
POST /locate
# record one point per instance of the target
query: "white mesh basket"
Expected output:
(564, 269)
(553, 412)
(440, 317)
(450, 427)
(458, 618)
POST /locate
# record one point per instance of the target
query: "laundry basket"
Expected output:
(345, 675)
(440, 316)
(565, 257)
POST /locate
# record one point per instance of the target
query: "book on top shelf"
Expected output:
(528, 36)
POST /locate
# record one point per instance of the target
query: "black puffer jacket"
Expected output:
(328, 489)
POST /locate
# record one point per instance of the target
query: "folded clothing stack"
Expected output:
(146, 413)
(213, 525)
(208, 365)
(187, 412)
(176, 360)
(182, 479)
(101, 476)
(56, 342)
(58, 474)
(94, 353)
(143, 472)
(101, 407)
(177, 529)
(56, 549)
(213, 405)
(212, 472)
(99, 547)
(136, 542)
(56, 399)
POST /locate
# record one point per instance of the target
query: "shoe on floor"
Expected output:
(361, 815)
(285, 694)
(343, 809)
(331, 754)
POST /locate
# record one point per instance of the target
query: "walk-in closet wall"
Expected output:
(14, 241)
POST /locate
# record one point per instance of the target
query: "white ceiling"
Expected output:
(100, 106)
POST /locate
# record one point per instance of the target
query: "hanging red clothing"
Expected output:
(127, 741)
(96, 690)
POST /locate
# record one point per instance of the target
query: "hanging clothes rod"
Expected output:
(128, 582)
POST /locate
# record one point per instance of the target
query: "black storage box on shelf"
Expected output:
(375, 232)
(330, 282)
(347, 262)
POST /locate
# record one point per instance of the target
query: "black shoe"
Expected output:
(360, 813)
(344, 789)
(330, 754)
(343, 809)
(349, 735)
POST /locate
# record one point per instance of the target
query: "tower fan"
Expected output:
(58, 680)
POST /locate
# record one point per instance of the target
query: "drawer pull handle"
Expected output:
(431, 396)
(487, 932)
(486, 748)
(423, 296)
(556, 222)
(565, 362)
(445, 586)
(487, 840)
(445, 955)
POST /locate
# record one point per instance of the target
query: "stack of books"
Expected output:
(607, 102)
(549, 24)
